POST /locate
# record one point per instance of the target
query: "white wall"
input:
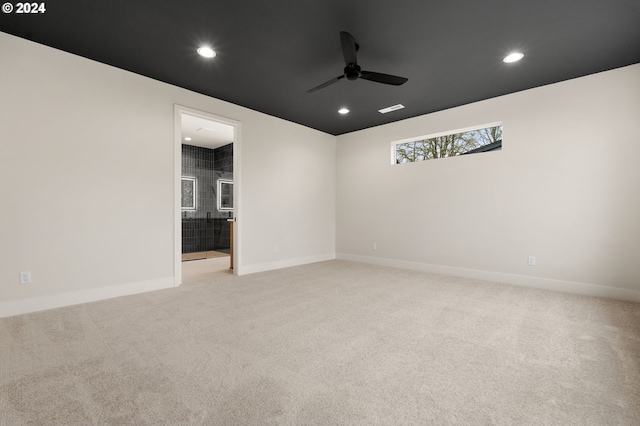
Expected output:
(288, 195)
(87, 181)
(565, 188)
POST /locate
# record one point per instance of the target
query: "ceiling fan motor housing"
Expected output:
(352, 71)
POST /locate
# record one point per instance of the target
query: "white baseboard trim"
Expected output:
(25, 306)
(504, 278)
(270, 266)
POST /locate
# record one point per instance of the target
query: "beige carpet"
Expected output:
(333, 343)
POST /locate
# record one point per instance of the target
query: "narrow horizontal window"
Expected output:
(450, 145)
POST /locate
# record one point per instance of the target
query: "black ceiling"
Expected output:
(269, 53)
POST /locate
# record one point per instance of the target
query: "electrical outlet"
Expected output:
(531, 261)
(276, 249)
(25, 277)
(374, 246)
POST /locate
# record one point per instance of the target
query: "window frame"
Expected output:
(394, 144)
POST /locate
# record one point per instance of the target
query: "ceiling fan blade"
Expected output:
(323, 85)
(383, 78)
(349, 48)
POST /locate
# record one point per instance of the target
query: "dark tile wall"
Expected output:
(205, 235)
(206, 228)
(223, 158)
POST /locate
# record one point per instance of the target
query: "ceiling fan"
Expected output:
(352, 70)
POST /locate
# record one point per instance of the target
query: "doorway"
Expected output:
(206, 193)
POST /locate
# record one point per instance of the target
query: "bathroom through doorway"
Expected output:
(206, 197)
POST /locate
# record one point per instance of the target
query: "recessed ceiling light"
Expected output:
(343, 111)
(391, 108)
(187, 138)
(513, 57)
(206, 51)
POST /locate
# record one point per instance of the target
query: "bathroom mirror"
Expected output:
(189, 193)
(225, 195)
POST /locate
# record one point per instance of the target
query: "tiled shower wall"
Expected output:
(206, 228)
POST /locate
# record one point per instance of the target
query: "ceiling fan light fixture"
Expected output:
(343, 111)
(513, 57)
(206, 52)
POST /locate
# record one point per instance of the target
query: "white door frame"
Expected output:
(237, 185)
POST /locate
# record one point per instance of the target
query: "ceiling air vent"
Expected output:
(391, 108)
